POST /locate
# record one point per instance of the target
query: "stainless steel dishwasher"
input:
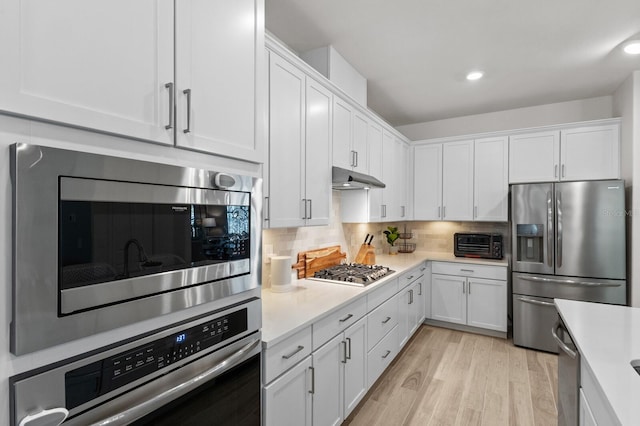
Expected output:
(568, 376)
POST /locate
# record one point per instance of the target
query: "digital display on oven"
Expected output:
(180, 338)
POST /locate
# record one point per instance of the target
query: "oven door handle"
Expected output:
(163, 398)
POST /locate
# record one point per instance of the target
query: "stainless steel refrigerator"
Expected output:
(568, 241)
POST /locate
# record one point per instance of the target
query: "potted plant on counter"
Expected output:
(392, 235)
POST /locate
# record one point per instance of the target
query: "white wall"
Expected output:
(14, 130)
(520, 118)
(626, 104)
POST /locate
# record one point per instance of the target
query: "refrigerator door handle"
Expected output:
(549, 229)
(570, 282)
(534, 302)
(561, 344)
(559, 213)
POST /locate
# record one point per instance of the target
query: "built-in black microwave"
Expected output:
(487, 246)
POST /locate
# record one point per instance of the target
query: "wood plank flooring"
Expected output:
(449, 377)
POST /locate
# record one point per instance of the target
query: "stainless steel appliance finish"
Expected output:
(353, 274)
(47, 310)
(487, 246)
(348, 179)
(141, 377)
(568, 376)
(568, 242)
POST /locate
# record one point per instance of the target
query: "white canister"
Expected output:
(281, 274)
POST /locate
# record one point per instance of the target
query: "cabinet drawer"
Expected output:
(410, 276)
(327, 327)
(470, 270)
(382, 293)
(286, 354)
(380, 321)
(379, 358)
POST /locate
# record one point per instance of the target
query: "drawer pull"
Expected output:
(386, 355)
(298, 349)
(386, 320)
(347, 318)
(410, 277)
(313, 380)
(467, 270)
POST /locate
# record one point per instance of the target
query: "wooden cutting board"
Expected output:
(312, 261)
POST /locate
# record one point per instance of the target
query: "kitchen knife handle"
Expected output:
(559, 213)
(171, 108)
(187, 93)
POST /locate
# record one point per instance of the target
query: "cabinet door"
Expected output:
(217, 48)
(426, 290)
(416, 307)
(402, 179)
(457, 180)
(359, 143)
(534, 157)
(585, 417)
(403, 300)
(286, 144)
(317, 149)
(448, 298)
(287, 400)
(100, 65)
(390, 210)
(341, 140)
(487, 304)
(327, 382)
(590, 153)
(376, 169)
(491, 180)
(427, 182)
(355, 369)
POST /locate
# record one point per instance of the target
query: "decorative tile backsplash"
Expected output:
(428, 236)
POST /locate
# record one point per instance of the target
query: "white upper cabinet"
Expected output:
(457, 181)
(342, 125)
(581, 153)
(491, 179)
(101, 65)
(590, 153)
(109, 66)
(299, 166)
(287, 87)
(317, 154)
(217, 66)
(427, 182)
(376, 169)
(350, 130)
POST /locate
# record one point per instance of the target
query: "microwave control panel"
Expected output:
(98, 378)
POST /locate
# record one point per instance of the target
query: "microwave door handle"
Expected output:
(549, 229)
(129, 415)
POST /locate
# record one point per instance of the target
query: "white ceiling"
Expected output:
(415, 53)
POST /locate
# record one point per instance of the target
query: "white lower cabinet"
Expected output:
(476, 295)
(585, 415)
(410, 309)
(339, 375)
(379, 358)
(426, 290)
(287, 400)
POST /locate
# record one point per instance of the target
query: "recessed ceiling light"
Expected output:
(475, 75)
(632, 47)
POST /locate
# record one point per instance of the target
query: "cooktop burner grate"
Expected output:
(353, 273)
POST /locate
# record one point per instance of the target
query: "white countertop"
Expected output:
(608, 338)
(283, 314)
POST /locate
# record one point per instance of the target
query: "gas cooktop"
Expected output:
(352, 274)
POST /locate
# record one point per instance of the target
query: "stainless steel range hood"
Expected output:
(348, 179)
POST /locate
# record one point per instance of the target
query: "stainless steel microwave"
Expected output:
(101, 242)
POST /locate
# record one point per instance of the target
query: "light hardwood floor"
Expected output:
(449, 377)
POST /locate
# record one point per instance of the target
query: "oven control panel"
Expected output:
(98, 378)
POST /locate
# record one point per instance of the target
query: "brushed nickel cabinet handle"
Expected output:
(266, 210)
(187, 93)
(298, 349)
(171, 106)
(344, 352)
(313, 380)
(386, 320)
(349, 347)
(387, 354)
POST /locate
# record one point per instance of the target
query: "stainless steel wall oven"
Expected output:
(101, 242)
(204, 371)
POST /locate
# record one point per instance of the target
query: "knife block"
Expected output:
(366, 255)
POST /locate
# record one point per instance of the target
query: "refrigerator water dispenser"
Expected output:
(530, 243)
